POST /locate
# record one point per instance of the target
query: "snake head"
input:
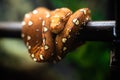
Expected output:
(58, 19)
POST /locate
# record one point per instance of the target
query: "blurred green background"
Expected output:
(88, 62)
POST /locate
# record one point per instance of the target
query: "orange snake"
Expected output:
(50, 35)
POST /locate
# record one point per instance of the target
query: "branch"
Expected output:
(94, 30)
(10, 29)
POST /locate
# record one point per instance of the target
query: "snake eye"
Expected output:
(49, 35)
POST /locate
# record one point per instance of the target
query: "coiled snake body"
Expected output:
(49, 35)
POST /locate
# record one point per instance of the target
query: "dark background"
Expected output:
(88, 62)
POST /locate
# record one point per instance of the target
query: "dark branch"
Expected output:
(10, 29)
(98, 31)
(94, 31)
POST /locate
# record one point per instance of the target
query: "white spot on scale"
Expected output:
(69, 36)
(59, 57)
(27, 44)
(64, 40)
(46, 47)
(64, 48)
(35, 11)
(28, 37)
(47, 14)
(84, 23)
(30, 23)
(56, 42)
(38, 47)
(68, 14)
(41, 57)
(69, 30)
(35, 59)
(40, 18)
(45, 29)
(44, 41)
(87, 18)
(83, 10)
(27, 15)
(22, 35)
(76, 21)
(37, 30)
(32, 55)
(43, 23)
(29, 47)
(56, 16)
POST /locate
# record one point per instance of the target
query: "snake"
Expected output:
(50, 34)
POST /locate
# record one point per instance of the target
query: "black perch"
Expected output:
(103, 29)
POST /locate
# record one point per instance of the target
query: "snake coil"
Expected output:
(49, 35)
